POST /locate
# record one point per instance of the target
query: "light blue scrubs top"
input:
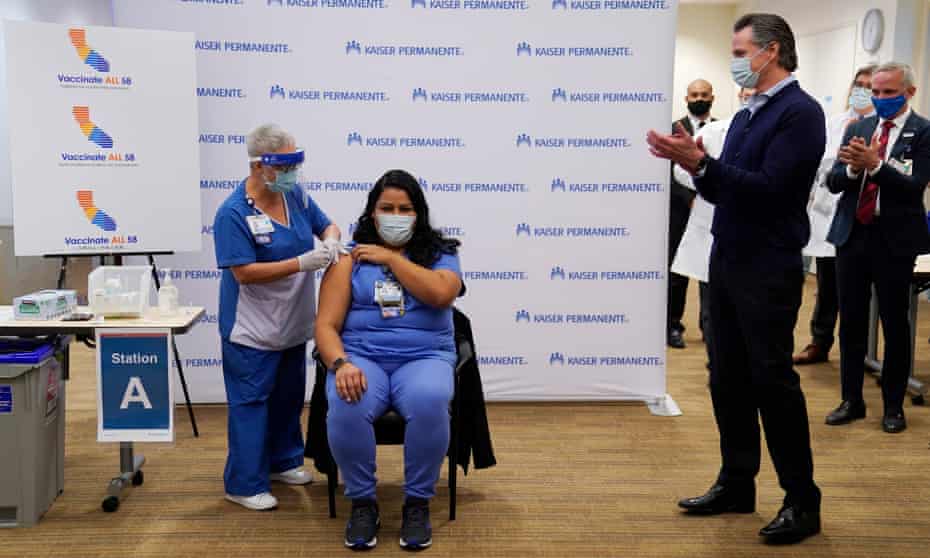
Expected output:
(422, 332)
(269, 316)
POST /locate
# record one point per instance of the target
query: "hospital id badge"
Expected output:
(260, 224)
(904, 166)
(390, 297)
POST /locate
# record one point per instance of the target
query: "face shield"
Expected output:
(285, 166)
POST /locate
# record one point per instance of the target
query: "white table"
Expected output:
(919, 283)
(179, 323)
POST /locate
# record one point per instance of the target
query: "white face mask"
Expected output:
(395, 230)
(860, 98)
(741, 69)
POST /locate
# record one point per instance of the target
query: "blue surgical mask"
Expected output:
(860, 98)
(283, 181)
(396, 230)
(741, 69)
(887, 108)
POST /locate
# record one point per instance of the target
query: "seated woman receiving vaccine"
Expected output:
(384, 329)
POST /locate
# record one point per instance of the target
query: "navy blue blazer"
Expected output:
(763, 178)
(903, 216)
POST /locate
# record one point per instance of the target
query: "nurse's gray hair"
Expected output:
(907, 72)
(268, 138)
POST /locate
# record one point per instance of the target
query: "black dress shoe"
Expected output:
(791, 525)
(675, 340)
(893, 423)
(847, 412)
(720, 499)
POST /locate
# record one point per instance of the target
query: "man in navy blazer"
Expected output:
(760, 186)
(880, 227)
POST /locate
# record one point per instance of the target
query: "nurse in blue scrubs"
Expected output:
(264, 240)
(385, 331)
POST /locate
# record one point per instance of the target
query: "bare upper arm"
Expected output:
(452, 286)
(335, 294)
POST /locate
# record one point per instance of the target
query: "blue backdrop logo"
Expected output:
(559, 272)
(415, 3)
(555, 318)
(608, 97)
(560, 185)
(574, 142)
(353, 46)
(620, 361)
(496, 275)
(524, 48)
(471, 97)
(522, 315)
(611, 5)
(474, 187)
(473, 5)
(354, 137)
(406, 142)
(276, 91)
(573, 231)
(419, 93)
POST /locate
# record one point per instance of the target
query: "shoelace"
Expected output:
(363, 517)
(417, 516)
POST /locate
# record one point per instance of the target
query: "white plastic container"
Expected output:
(44, 305)
(168, 296)
(119, 291)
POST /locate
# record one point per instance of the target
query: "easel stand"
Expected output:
(118, 260)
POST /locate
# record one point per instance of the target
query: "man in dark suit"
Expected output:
(700, 98)
(879, 229)
(760, 186)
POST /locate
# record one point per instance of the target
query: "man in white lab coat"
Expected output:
(693, 256)
(820, 211)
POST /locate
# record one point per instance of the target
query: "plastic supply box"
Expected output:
(44, 305)
(119, 291)
(32, 429)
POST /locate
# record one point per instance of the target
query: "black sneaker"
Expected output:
(362, 528)
(416, 533)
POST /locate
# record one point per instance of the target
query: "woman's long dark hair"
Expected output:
(427, 243)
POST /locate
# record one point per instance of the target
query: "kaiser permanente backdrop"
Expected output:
(525, 122)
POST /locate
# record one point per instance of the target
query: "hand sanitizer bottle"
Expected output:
(167, 296)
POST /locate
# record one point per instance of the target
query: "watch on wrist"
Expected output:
(702, 164)
(338, 363)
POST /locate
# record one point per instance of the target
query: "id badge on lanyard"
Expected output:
(261, 227)
(389, 295)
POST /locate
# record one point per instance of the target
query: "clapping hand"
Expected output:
(679, 147)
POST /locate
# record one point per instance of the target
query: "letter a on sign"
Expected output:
(135, 393)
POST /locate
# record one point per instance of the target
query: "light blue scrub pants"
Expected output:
(420, 391)
(265, 391)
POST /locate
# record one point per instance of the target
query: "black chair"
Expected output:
(390, 427)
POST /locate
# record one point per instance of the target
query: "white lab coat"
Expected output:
(693, 256)
(822, 205)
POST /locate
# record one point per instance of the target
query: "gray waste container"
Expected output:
(32, 429)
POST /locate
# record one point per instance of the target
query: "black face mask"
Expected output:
(699, 108)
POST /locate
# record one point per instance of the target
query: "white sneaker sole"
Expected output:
(404, 544)
(250, 506)
(370, 544)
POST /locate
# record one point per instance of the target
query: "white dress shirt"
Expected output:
(893, 136)
(696, 122)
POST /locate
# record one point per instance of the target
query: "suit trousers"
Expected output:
(754, 312)
(865, 260)
(679, 213)
(827, 305)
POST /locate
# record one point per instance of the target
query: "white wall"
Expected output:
(79, 12)
(807, 17)
(702, 50)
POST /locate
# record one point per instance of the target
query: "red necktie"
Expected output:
(868, 199)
